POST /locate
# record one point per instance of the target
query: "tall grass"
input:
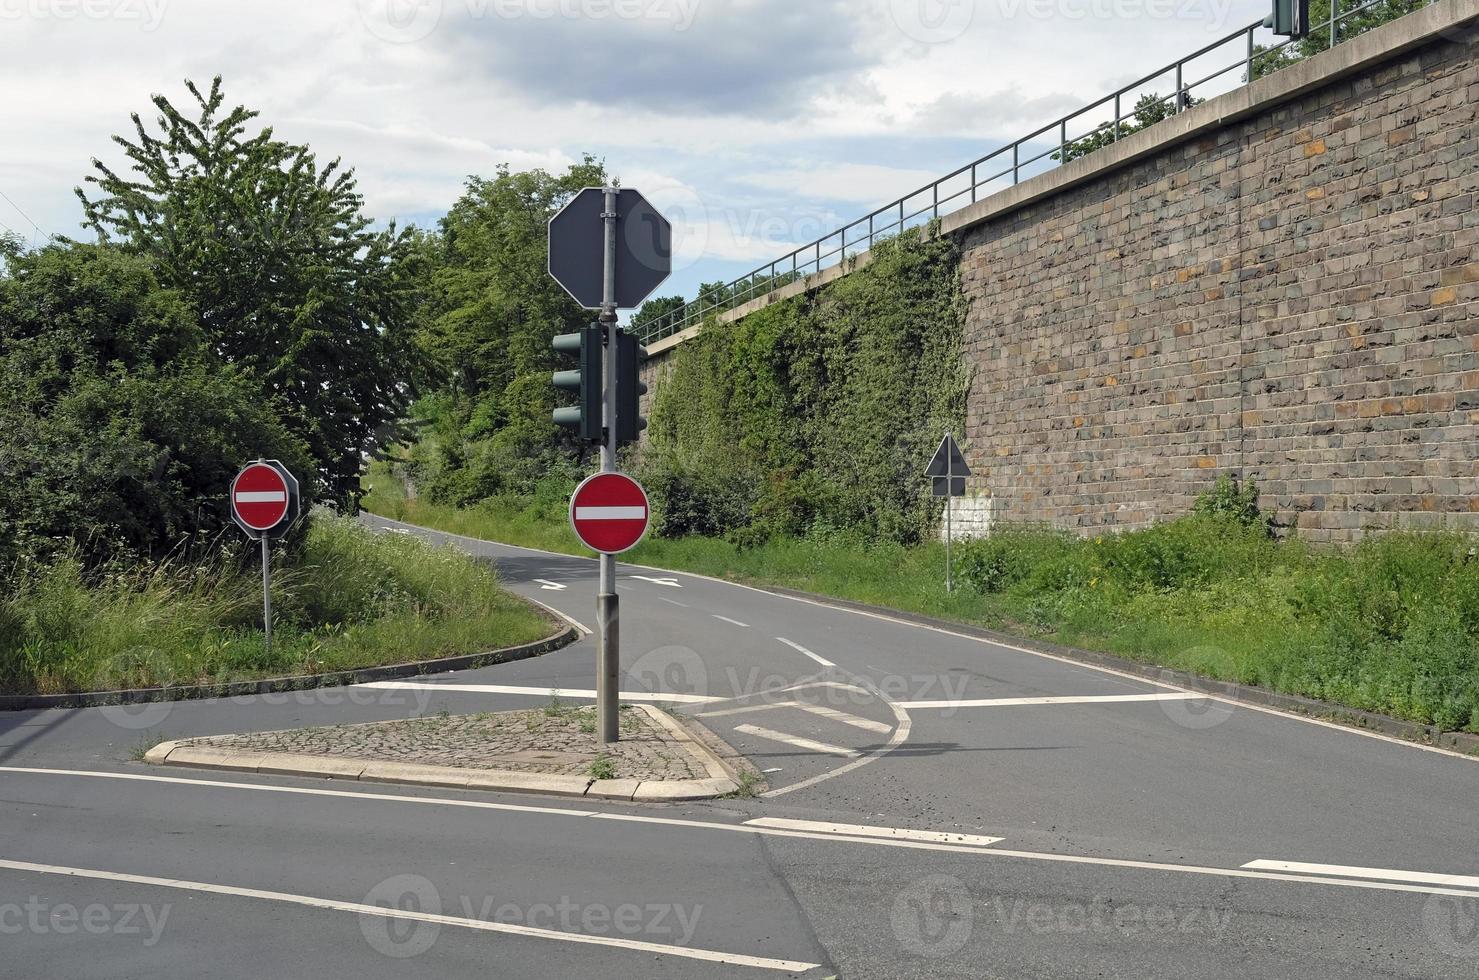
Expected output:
(344, 599)
(1390, 626)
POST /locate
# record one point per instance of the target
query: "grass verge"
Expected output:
(1391, 626)
(343, 599)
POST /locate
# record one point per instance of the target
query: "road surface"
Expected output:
(937, 805)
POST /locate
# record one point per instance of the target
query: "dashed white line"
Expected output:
(861, 830)
(681, 605)
(1380, 874)
(480, 925)
(1084, 699)
(801, 649)
(810, 745)
(732, 622)
(535, 692)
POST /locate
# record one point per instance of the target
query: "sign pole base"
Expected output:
(608, 688)
(267, 594)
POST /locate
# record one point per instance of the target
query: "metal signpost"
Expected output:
(948, 472)
(609, 248)
(264, 504)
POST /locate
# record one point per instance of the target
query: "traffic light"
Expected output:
(1291, 18)
(585, 381)
(629, 388)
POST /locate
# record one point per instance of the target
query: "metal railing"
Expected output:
(1036, 153)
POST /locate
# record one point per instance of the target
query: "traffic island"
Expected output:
(551, 750)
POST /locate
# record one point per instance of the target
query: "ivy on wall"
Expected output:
(817, 414)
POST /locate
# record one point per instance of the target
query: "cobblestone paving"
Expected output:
(556, 741)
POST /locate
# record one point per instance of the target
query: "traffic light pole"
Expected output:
(608, 664)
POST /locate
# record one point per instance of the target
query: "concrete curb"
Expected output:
(278, 685)
(446, 777)
(1262, 697)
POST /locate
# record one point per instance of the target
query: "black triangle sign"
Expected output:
(948, 461)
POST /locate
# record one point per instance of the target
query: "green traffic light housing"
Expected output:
(1290, 18)
(585, 381)
(629, 388)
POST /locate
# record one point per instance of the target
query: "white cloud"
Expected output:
(765, 122)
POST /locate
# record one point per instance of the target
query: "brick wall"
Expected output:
(1293, 299)
(1281, 284)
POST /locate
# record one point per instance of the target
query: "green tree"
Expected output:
(655, 309)
(489, 314)
(121, 434)
(1350, 25)
(290, 282)
(1149, 109)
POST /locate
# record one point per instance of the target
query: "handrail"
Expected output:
(772, 275)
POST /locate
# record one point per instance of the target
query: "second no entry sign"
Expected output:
(609, 513)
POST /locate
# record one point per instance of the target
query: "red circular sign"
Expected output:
(259, 497)
(609, 513)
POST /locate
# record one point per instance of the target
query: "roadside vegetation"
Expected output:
(343, 598)
(1391, 626)
(233, 301)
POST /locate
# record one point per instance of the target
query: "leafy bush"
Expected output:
(820, 411)
(344, 598)
(1227, 499)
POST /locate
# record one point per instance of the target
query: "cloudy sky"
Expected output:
(758, 125)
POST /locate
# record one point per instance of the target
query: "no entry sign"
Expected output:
(609, 513)
(264, 497)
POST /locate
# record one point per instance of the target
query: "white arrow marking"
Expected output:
(671, 583)
(547, 586)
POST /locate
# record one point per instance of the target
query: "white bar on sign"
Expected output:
(611, 513)
(261, 497)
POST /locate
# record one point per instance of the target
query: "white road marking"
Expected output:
(867, 724)
(801, 649)
(732, 622)
(611, 513)
(580, 627)
(1014, 702)
(808, 744)
(1383, 874)
(534, 692)
(476, 804)
(682, 605)
(671, 583)
(1068, 661)
(860, 830)
(549, 586)
(481, 925)
(902, 728)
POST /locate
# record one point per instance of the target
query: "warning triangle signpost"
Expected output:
(947, 472)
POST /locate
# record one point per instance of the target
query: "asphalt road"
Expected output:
(1113, 827)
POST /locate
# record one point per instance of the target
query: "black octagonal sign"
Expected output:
(577, 243)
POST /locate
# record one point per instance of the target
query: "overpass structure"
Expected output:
(1278, 280)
